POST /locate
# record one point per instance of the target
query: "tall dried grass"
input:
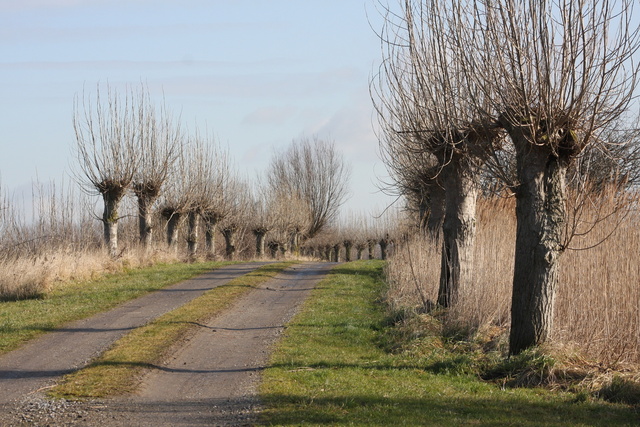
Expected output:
(58, 239)
(597, 310)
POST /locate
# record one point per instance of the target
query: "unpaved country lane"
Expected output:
(213, 378)
(39, 363)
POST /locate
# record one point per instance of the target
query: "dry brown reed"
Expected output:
(597, 310)
(58, 239)
(414, 270)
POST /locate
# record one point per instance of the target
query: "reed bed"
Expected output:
(597, 309)
(56, 237)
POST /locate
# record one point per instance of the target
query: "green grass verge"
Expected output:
(120, 368)
(334, 367)
(23, 320)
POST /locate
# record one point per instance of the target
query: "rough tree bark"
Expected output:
(260, 234)
(458, 229)
(371, 248)
(173, 218)
(336, 252)
(541, 215)
(294, 243)
(273, 249)
(145, 222)
(111, 197)
(192, 233)
(210, 222)
(348, 244)
(384, 243)
(229, 234)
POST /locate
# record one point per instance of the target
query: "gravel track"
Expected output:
(211, 379)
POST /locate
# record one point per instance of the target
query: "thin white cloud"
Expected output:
(352, 129)
(272, 115)
(264, 84)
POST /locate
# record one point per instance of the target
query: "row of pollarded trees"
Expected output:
(514, 91)
(357, 237)
(127, 145)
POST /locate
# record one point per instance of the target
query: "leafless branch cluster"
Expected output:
(312, 171)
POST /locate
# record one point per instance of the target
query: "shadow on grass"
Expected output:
(357, 409)
(354, 268)
(454, 366)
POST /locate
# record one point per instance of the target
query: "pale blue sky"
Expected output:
(255, 73)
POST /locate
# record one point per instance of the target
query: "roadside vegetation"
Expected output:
(347, 359)
(25, 319)
(119, 369)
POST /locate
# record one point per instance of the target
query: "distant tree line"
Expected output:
(127, 145)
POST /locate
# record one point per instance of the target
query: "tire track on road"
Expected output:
(213, 378)
(39, 363)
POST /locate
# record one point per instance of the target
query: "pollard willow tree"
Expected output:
(261, 216)
(276, 213)
(107, 132)
(558, 74)
(206, 173)
(216, 206)
(291, 214)
(312, 171)
(175, 200)
(158, 145)
(237, 202)
(432, 137)
(191, 191)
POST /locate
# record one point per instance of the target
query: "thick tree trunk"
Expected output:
(294, 243)
(436, 216)
(229, 234)
(359, 251)
(458, 230)
(193, 231)
(371, 246)
(273, 249)
(260, 234)
(384, 243)
(210, 222)
(336, 253)
(173, 223)
(541, 216)
(110, 222)
(326, 251)
(347, 250)
(145, 226)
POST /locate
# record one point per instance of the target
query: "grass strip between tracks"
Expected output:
(23, 320)
(333, 367)
(120, 368)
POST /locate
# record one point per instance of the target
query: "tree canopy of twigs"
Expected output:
(312, 171)
(107, 132)
(158, 145)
